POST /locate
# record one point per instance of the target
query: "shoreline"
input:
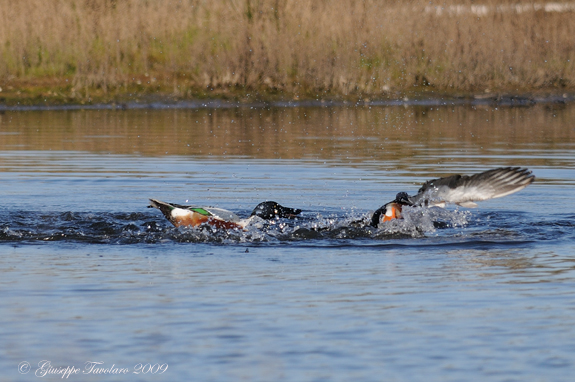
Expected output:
(427, 99)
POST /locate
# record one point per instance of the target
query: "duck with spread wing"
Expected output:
(462, 190)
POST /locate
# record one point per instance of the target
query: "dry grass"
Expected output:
(304, 47)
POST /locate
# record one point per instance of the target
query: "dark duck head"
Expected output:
(272, 210)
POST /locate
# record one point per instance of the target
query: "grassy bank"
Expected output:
(75, 50)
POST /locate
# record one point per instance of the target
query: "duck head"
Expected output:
(272, 210)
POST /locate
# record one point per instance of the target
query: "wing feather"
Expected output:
(222, 214)
(212, 212)
(464, 190)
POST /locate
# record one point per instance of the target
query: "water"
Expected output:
(88, 273)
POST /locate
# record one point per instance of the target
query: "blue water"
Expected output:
(88, 273)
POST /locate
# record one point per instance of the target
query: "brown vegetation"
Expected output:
(307, 48)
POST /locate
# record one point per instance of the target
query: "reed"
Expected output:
(303, 48)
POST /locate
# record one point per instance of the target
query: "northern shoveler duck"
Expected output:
(462, 190)
(180, 215)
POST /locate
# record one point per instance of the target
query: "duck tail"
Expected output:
(166, 208)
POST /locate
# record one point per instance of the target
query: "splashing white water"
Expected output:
(418, 221)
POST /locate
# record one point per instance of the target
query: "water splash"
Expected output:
(134, 228)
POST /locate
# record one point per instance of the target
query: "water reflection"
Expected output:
(416, 137)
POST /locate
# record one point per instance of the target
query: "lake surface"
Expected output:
(89, 274)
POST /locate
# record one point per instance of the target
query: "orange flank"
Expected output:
(194, 219)
(393, 212)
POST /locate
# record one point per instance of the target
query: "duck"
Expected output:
(462, 190)
(220, 218)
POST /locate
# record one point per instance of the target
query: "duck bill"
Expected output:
(290, 213)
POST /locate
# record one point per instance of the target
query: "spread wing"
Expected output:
(465, 190)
